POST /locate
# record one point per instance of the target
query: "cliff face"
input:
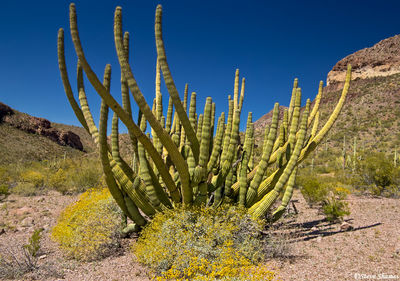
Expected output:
(382, 59)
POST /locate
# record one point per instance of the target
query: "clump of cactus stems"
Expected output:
(186, 159)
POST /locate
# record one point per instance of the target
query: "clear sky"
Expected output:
(271, 42)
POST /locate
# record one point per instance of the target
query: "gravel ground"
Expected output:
(312, 249)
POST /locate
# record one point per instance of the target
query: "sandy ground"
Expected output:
(318, 250)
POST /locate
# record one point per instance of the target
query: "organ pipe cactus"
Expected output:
(186, 159)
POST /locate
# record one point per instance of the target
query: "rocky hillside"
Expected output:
(372, 110)
(26, 138)
(382, 59)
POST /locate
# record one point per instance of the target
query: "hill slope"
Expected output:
(27, 138)
(372, 109)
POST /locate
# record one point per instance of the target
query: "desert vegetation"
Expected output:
(192, 197)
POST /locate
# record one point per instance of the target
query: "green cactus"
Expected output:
(181, 161)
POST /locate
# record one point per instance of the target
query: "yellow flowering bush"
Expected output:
(89, 228)
(58, 179)
(204, 244)
(34, 177)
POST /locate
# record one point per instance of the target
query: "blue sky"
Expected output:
(270, 42)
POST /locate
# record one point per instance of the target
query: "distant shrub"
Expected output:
(203, 244)
(327, 193)
(58, 179)
(67, 176)
(311, 188)
(34, 177)
(25, 189)
(4, 192)
(378, 174)
(89, 228)
(335, 209)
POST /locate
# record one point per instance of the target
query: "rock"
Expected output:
(24, 211)
(5, 110)
(313, 229)
(345, 226)
(42, 257)
(397, 249)
(27, 222)
(319, 239)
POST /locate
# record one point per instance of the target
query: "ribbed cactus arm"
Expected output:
(236, 91)
(277, 214)
(295, 120)
(93, 131)
(64, 77)
(241, 98)
(189, 130)
(269, 138)
(292, 99)
(315, 126)
(216, 150)
(316, 104)
(126, 102)
(328, 125)
(162, 135)
(267, 201)
(245, 161)
(110, 101)
(168, 120)
(206, 134)
(129, 209)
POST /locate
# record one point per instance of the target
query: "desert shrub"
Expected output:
(203, 244)
(67, 176)
(34, 177)
(14, 263)
(311, 188)
(75, 175)
(89, 228)
(25, 189)
(378, 174)
(4, 192)
(327, 193)
(335, 209)
(58, 179)
(85, 177)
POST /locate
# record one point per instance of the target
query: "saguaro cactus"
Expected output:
(182, 161)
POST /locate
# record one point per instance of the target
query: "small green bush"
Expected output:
(335, 209)
(89, 229)
(25, 189)
(14, 263)
(203, 244)
(4, 192)
(378, 174)
(311, 188)
(34, 177)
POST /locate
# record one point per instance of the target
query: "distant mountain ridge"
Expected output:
(28, 138)
(382, 59)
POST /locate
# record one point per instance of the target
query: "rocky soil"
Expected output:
(311, 248)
